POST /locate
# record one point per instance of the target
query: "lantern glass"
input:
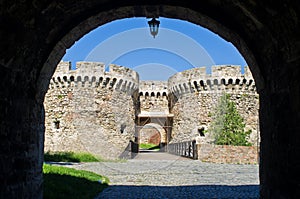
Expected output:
(153, 25)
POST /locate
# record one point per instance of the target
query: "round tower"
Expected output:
(90, 109)
(194, 93)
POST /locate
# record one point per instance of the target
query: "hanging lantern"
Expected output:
(153, 25)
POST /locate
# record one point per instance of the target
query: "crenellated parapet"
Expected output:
(153, 88)
(222, 78)
(93, 74)
(153, 96)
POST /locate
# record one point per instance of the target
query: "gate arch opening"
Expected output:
(153, 133)
(265, 33)
(205, 22)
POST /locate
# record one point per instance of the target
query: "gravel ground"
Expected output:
(166, 176)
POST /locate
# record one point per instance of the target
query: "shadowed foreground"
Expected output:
(201, 191)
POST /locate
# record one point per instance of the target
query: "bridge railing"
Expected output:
(185, 149)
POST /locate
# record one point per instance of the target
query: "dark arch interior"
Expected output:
(33, 42)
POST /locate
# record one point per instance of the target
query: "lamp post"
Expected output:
(153, 25)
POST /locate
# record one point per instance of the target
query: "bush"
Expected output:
(228, 125)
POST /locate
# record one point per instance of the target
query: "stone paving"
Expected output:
(166, 176)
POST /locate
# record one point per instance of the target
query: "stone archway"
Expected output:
(266, 33)
(153, 133)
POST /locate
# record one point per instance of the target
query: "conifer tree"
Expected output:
(228, 125)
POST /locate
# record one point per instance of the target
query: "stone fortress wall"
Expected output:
(90, 109)
(194, 94)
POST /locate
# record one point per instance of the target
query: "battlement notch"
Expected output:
(222, 78)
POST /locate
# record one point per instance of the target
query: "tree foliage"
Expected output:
(228, 125)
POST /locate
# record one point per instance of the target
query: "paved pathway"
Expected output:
(166, 176)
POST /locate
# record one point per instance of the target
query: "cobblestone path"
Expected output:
(167, 176)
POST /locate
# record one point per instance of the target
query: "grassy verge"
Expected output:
(63, 182)
(75, 157)
(149, 146)
(70, 157)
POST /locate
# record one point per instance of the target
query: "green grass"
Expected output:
(70, 157)
(63, 182)
(149, 146)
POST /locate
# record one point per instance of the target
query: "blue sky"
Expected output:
(179, 46)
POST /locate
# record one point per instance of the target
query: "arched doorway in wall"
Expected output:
(153, 117)
(247, 24)
(66, 37)
(154, 134)
(200, 21)
(151, 136)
